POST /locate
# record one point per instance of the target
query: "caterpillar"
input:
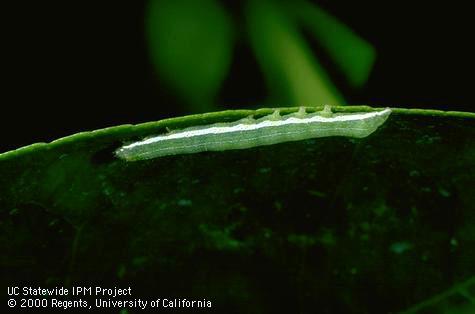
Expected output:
(249, 132)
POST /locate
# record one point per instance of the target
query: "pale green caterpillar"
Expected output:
(248, 132)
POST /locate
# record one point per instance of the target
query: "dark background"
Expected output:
(74, 66)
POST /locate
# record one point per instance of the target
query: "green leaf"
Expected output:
(293, 73)
(331, 224)
(351, 53)
(191, 45)
(458, 299)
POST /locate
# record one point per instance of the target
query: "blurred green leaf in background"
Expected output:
(191, 46)
(353, 55)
